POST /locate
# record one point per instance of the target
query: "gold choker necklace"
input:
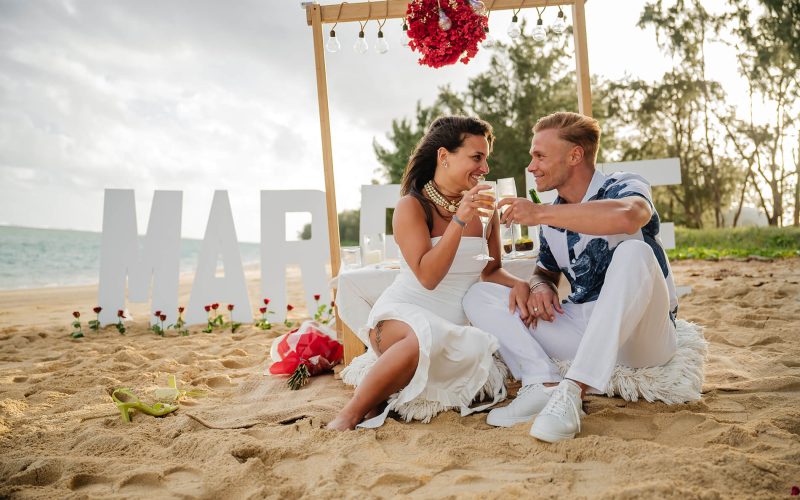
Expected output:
(439, 199)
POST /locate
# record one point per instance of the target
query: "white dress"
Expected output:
(456, 362)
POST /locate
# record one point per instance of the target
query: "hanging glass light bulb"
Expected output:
(361, 44)
(560, 24)
(513, 29)
(333, 45)
(444, 22)
(478, 7)
(381, 46)
(404, 37)
(489, 41)
(539, 33)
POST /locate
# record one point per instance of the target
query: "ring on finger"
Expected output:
(535, 309)
(473, 198)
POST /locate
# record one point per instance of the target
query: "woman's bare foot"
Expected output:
(343, 422)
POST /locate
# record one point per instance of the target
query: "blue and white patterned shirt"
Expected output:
(583, 258)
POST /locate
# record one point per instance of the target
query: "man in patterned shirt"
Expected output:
(601, 232)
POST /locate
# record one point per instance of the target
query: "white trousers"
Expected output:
(628, 324)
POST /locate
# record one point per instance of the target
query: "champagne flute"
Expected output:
(485, 214)
(507, 188)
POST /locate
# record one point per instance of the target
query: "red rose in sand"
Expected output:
(289, 307)
(795, 491)
(181, 309)
(120, 313)
(207, 308)
(266, 302)
(316, 297)
(76, 314)
(162, 317)
(230, 307)
(262, 310)
(97, 309)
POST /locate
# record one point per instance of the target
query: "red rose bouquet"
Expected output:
(440, 47)
(308, 350)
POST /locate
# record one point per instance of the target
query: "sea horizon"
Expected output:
(32, 257)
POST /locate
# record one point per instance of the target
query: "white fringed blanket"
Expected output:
(678, 381)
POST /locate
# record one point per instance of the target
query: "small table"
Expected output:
(358, 289)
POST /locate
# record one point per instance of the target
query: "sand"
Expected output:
(250, 437)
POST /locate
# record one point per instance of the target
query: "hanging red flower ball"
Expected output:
(441, 47)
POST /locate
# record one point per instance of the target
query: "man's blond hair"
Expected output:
(575, 128)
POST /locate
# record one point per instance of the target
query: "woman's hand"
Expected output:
(472, 200)
(543, 302)
(518, 299)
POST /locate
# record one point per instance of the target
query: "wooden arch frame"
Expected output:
(317, 15)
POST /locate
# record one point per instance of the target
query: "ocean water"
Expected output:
(36, 258)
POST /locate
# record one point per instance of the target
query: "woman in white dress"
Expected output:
(423, 357)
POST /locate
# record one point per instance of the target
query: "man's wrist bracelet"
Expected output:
(459, 221)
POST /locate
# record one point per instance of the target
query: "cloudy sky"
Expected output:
(202, 95)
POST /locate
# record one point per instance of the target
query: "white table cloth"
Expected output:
(358, 289)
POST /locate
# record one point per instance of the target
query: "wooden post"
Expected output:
(582, 58)
(352, 346)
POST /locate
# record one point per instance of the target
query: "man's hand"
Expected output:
(543, 302)
(519, 211)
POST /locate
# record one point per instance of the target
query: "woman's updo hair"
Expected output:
(448, 132)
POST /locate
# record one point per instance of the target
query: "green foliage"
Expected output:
(713, 244)
(348, 228)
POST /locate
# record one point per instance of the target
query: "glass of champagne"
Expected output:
(507, 188)
(485, 215)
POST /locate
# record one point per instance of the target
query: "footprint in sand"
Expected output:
(213, 382)
(39, 473)
(87, 483)
(178, 480)
(234, 363)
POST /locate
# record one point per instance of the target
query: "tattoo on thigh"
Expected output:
(378, 332)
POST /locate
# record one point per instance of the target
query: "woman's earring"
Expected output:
(444, 164)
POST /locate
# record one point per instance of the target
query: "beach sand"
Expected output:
(250, 437)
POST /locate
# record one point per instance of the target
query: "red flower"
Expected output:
(263, 310)
(157, 314)
(76, 314)
(333, 304)
(215, 306)
(316, 297)
(97, 309)
(266, 302)
(230, 307)
(289, 307)
(120, 313)
(181, 309)
(207, 308)
(163, 317)
(439, 47)
(795, 491)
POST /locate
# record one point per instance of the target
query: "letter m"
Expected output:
(157, 261)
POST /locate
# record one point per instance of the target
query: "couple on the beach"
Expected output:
(433, 333)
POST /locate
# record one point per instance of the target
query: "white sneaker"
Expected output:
(561, 417)
(529, 401)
